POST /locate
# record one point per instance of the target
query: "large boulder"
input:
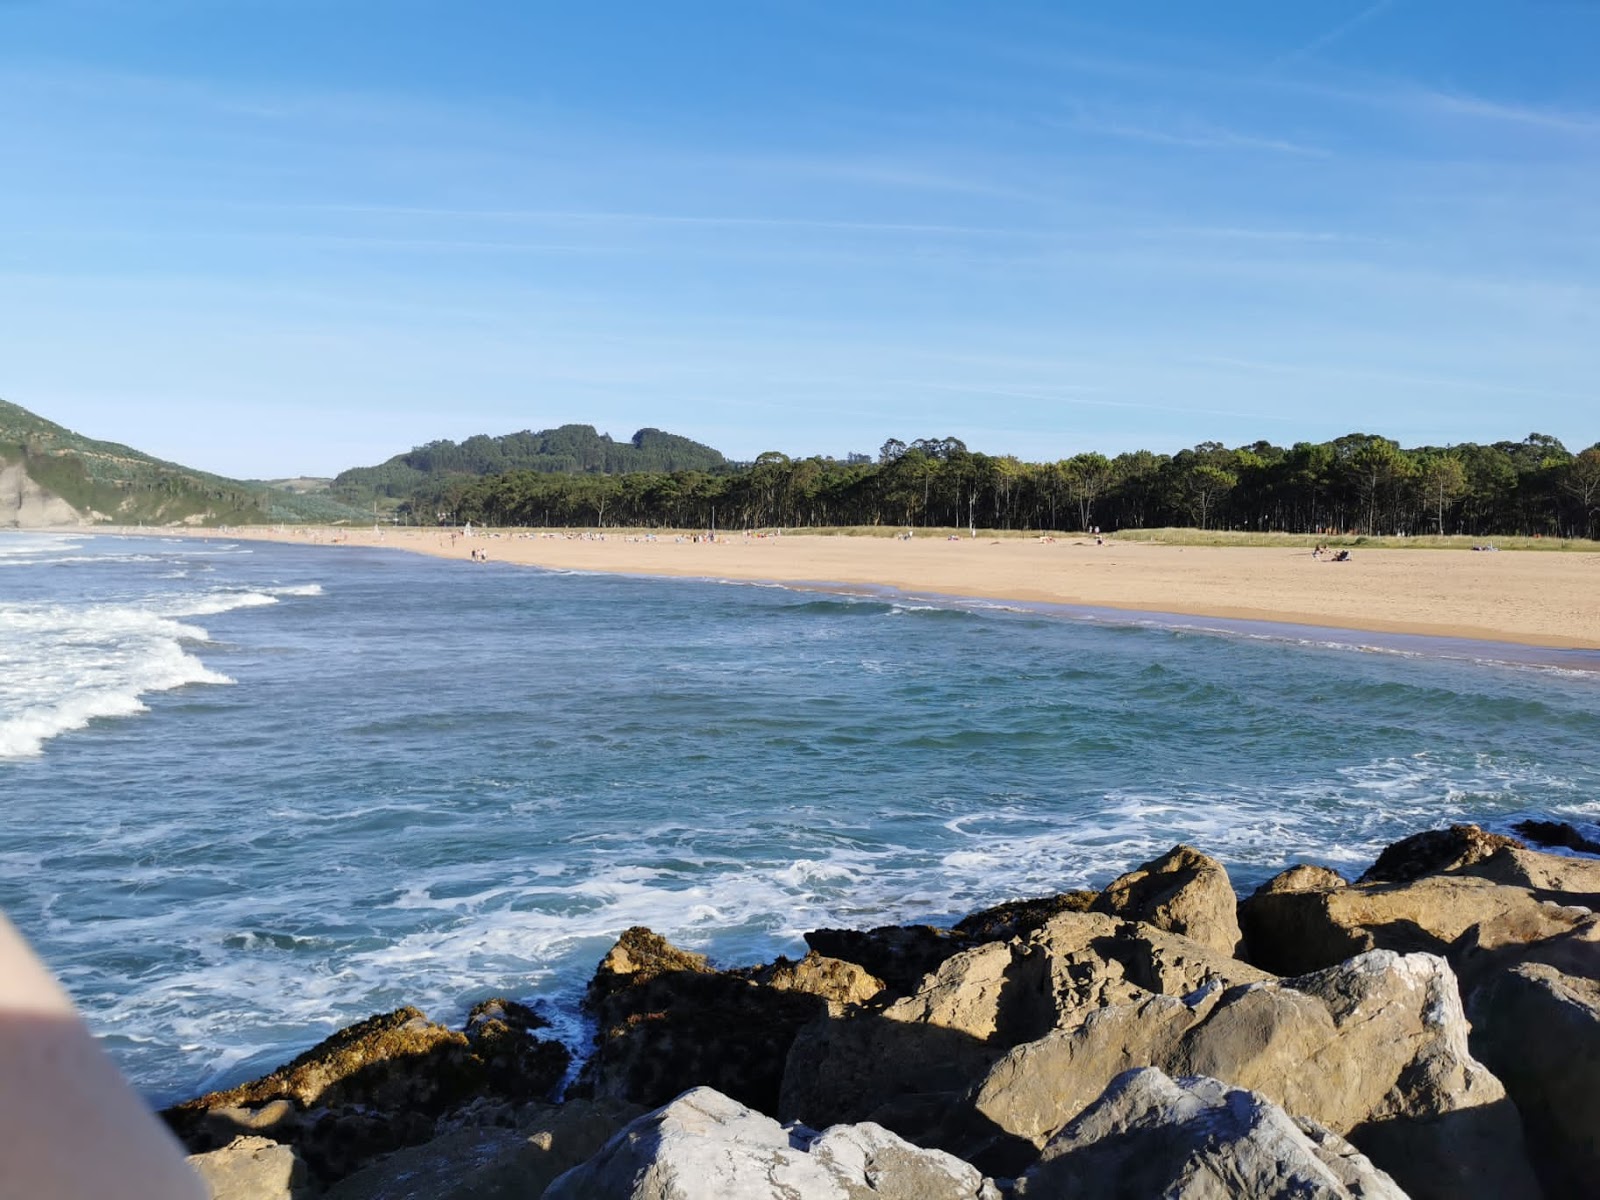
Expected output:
(903, 955)
(843, 985)
(929, 1045)
(1540, 1031)
(1291, 931)
(1183, 892)
(252, 1168)
(666, 1020)
(1435, 851)
(1553, 877)
(1557, 833)
(705, 1146)
(490, 1161)
(905, 1064)
(1018, 918)
(377, 1085)
(1375, 1049)
(900, 955)
(1198, 1139)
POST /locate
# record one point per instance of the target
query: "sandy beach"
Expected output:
(1537, 599)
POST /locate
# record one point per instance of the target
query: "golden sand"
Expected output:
(1540, 599)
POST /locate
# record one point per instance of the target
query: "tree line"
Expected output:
(1360, 483)
(569, 449)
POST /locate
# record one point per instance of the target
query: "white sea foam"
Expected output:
(24, 547)
(63, 666)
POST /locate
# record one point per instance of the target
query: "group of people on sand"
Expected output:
(478, 555)
(1321, 551)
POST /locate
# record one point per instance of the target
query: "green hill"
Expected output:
(568, 450)
(51, 475)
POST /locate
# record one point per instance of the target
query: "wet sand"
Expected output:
(1528, 598)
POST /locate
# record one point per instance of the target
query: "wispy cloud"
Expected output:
(1324, 40)
(1459, 104)
(624, 218)
(1265, 235)
(1190, 135)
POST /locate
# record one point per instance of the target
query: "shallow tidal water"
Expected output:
(251, 793)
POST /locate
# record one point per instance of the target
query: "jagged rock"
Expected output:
(967, 992)
(1375, 1049)
(374, 1086)
(1551, 877)
(1097, 960)
(844, 985)
(640, 956)
(666, 1020)
(1306, 877)
(1539, 1030)
(1198, 1139)
(398, 1059)
(704, 1146)
(1183, 892)
(490, 1162)
(1435, 851)
(1557, 833)
(516, 1066)
(850, 1070)
(1290, 932)
(904, 1065)
(252, 1168)
(900, 955)
(1018, 918)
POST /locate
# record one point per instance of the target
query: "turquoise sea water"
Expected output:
(251, 792)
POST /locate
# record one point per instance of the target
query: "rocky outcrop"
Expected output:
(900, 955)
(1436, 851)
(903, 955)
(1069, 1043)
(1375, 1049)
(1550, 877)
(1293, 931)
(1183, 892)
(1018, 918)
(378, 1085)
(920, 1053)
(1198, 1139)
(843, 985)
(1557, 833)
(471, 1161)
(1540, 1032)
(666, 1020)
(705, 1145)
(252, 1168)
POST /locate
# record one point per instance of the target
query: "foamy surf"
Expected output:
(64, 666)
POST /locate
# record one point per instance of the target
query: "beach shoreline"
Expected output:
(1540, 600)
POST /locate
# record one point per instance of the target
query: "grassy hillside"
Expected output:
(112, 482)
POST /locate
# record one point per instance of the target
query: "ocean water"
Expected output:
(251, 792)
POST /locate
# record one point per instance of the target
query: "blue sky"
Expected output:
(269, 237)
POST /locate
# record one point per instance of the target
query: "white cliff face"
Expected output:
(26, 505)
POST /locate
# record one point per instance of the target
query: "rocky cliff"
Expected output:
(26, 505)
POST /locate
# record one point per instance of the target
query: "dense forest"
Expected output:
(568, 450)
(1358, 483)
